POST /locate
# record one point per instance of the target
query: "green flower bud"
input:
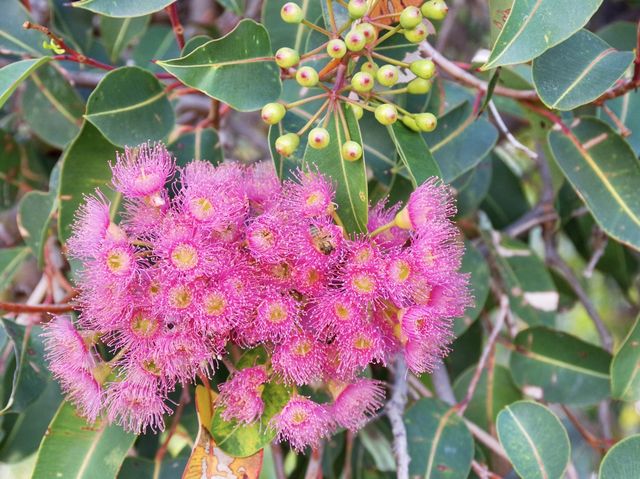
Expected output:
(307, 76)
(291, 13)
(287, 144)
(369, 67)
(336, 48)
(357, 8)
(357, 110)
(287, 57)
(272, 113)
(417, 34)
(410, 17)
(418, 86)
(410, 123)
(355, 40)
(351, 151)
(362, 82)
(369, 31)
(426, 121)
(423, 68)
(435, 9)
(386, 114)
(387, 75)
(319, 138)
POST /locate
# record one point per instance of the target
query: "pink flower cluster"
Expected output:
(208, 259)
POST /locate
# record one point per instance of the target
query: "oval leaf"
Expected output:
(350, 177)
(578, 71)
(34, 215)
(10, 261)
(622, 460)
(605, 172)
(558, 367)
(73, 449)
(200, 144)
(118, 33)
(476, 266)
(625, 367)
(14, 38)
(414, 154)
(123, 8)
(534, 26)
(440, 445)
(534, 439)
(14, 73)
(129, 106)
(288, 34)
(227, 68)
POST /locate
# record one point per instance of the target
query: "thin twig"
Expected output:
(395, 411)
(35, 308)
(601, 240)
(178, 29)
(314, 469)
(512, 139)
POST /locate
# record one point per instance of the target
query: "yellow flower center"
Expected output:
(400, 271)
(201, 208)
(342, 311)
(143, 326)
(364, 255)
(180, 297)
(118, 261)
(215, 304)
(363, 283)
(184, 257)
(362, 342)
(277, 313)
(303, 348)
(314, 198)
(299, 416)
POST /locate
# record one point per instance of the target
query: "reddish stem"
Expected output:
(35, 308)
(178, 29)
(27, 5)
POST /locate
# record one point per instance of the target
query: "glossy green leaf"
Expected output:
(379, 148)
(476, 266)
(35, 211)
(157, 43)
(118, 33)
(621, 34)
(240, 440)
(15, 73)
(440, 445)
(10, 261)
(73, 24)
(74, 449)
(625, 367)
(473, 187)
(505, 202)
(14, 38)
(130, 106)
(578, 71)
(229, 67)
(200, 144)
(414, 154)
(122, 8)
(494, 391)
(534, 26)
(460, 141)
(350, 177)
(287, 34)
(559, 367)
(622, 460)
(142, 468)
(535, 440)
(31, 373)
(52, 107)
(499, 12)
(532, 293)
(605, 172)
(85, 167)
(625, 108)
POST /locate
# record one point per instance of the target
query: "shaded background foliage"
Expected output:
(542, 380)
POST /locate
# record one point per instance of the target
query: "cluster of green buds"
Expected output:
(357, 75)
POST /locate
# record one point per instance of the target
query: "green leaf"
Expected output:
(476, 266)
(287, 34)
(74, 449)
(237, 69)
(9, 170)
(72, 24)
(200, 144)
(118, 33)
(578, 71)
(494, 391)
(157, 43)
(14, 73)
(625, 367)
(534, 26)
(605, 172)
(142, 468)
(122, 8)
(10, 261)
(440, 445)
(129, 106)
(531, 290)
(414, 154)
(535, 440)
(560, 367)
(13, 37)
(31, 373)
(350, 177)
(622, 460)
(473, 187)
(85, 167)
(52, 107)
(285, 165)
(241, 440)
(461, 141)
(35, 211)
(506, 201)
(621, 35)
(236, 6)
(499, 12)
(624, 108)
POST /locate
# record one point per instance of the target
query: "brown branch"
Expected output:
(178, 29)
(35, 308)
